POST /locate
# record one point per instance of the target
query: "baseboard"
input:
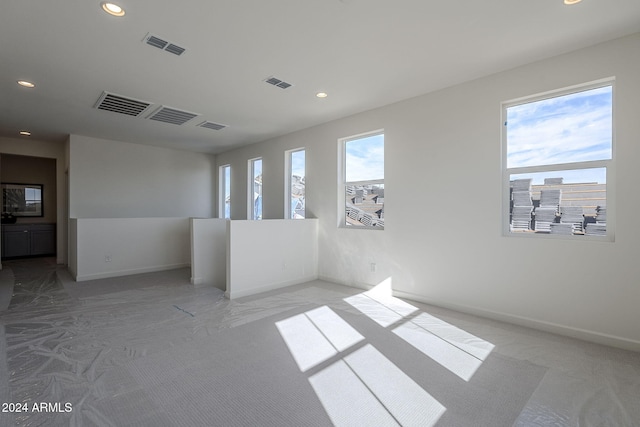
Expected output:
(65, 275)
(201, 282)
(231, 294)
(72, 273)
(555, 328)
(129, 272)
(357, 285)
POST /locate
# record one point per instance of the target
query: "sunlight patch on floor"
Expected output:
(373, 391)
(316, 336)
(363, 387)
(380, 306)
(455, 349)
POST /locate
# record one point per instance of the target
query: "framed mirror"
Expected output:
(22, 200)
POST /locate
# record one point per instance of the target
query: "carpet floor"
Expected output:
(153, 350)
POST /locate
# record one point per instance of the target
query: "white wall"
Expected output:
(110, 247)
(270, 254)
(147, 188)
(209, 252)
(51, 150)
(435, 145)
(112, 179)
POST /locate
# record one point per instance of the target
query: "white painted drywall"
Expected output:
(113, 179)
(111, 247)
(270, 254)
(442, 159)
(209, 252)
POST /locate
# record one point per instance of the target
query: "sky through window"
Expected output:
(365, 158)
(566, 129)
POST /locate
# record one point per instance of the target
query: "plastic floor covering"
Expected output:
(153, 350)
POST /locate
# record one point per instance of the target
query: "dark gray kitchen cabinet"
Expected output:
(22, 240)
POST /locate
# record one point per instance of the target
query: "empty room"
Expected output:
(164, 263)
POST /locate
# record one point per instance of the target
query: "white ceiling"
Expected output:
(363, 53)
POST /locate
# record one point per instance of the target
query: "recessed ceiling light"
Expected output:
(25, 133)
(26, 83)
(321, 94)
(570, 2)
(112, 8)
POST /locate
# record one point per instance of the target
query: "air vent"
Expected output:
(277, 82)
(160, 43)
(120, 104)
(157, 42)
(176, 50)
(212, 125)
(171, 115)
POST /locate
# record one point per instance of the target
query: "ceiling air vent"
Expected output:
(171, 115)
(212, 125)
(160, 43)
(120, 104)
(157, 42)
(175, 49)
(277, 82)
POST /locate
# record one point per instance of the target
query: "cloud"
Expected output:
(365, 158)
(565, 129)
(298, 162)
(257, 167)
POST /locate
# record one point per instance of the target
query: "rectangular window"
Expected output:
(254, 202)
(22, 199)
(225, 192)
(558, 162)
(362, 181)
(294, 199)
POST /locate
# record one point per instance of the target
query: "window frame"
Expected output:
(251, 167)
(288, 161)
(343, 183)
(222, 191)
(607, 164)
